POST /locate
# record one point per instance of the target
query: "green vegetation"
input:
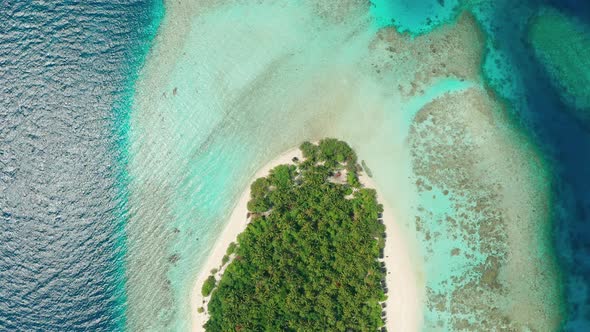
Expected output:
(224, 260)
(366, 169)
(208, 286)
(231, 248)
(308, 260)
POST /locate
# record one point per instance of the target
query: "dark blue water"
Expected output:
(565, 139)
(66, 74)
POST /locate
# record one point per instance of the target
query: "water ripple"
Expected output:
(64, 68)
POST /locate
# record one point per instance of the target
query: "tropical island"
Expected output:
(309, 259)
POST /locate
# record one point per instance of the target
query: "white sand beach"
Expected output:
(405, 296)
(403, 306)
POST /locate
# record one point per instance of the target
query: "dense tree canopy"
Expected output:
(308, 261)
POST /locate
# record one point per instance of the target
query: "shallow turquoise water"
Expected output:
(414, 17)
(224, 94)
(437, 90)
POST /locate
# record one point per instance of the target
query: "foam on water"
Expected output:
(229, 86)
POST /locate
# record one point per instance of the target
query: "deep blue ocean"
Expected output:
(66, 75)
(66, 80)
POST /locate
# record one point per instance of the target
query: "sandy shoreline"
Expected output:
(403, 310)
(404, 299)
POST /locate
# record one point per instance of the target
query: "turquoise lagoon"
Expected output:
(228, 86)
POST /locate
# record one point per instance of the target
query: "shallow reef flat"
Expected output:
(229, 86)
(454, 50)
(484, 219)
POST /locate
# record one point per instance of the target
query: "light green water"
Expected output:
(559, 41)
(229, 86)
